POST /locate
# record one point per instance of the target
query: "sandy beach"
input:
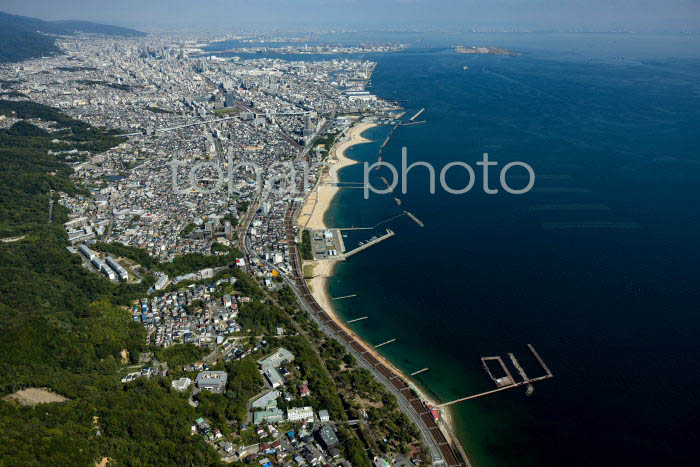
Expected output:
(322, 271)
(311, 216)
(319, 200)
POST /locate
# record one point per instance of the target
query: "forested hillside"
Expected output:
(22, 37)
(63, 328)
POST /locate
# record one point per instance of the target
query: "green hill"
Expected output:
(22, 37)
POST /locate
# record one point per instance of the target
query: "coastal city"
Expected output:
(217, 153)
(401, 233)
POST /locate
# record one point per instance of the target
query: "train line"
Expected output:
(443, 453)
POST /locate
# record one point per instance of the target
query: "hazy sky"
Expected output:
(230, 15)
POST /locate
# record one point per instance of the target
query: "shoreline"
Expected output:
(311, 216)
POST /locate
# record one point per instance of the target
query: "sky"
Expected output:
(302, 15)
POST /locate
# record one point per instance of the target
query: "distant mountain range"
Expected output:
(22, 37)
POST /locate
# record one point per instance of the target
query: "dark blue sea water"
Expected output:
(597, 266)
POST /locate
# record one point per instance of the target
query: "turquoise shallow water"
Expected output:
(597, 266)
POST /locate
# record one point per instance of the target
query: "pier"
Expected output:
(526, 381)
(422, 370)
(357, 319)
(521, 372)
(539, 360)
(389, 233)
(374, 226)
(442, 452)
(384, 343)
(344, 296)
(416, 115)
(414, 123)
(341, 243)
(506, 380)
(415, 219)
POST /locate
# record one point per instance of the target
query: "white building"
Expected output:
(323, 415)
(162, 282)
(121, 272)
(300, 414)
(181, 384)
(89, 254)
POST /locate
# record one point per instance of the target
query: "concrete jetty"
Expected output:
(416, 115)
(344, 296)
(357, 319)
(415, 219)
(384, 343)
(525, 382)
(389, 233)
(341, 243)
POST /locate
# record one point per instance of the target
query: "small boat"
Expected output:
(465, 68)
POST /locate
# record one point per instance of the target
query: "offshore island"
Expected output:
(478, 50)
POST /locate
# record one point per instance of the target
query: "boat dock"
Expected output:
(506, 380)
(416, 115)
(443, 453)
(525, 382)
(389, 233)
(539, 360)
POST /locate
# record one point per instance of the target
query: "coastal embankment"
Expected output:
(312, 216)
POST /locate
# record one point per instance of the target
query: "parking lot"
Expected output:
(327, 244)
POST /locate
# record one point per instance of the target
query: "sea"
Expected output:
(596, 266)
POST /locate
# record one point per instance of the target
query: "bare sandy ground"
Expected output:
(318, 201)
(34, 396)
